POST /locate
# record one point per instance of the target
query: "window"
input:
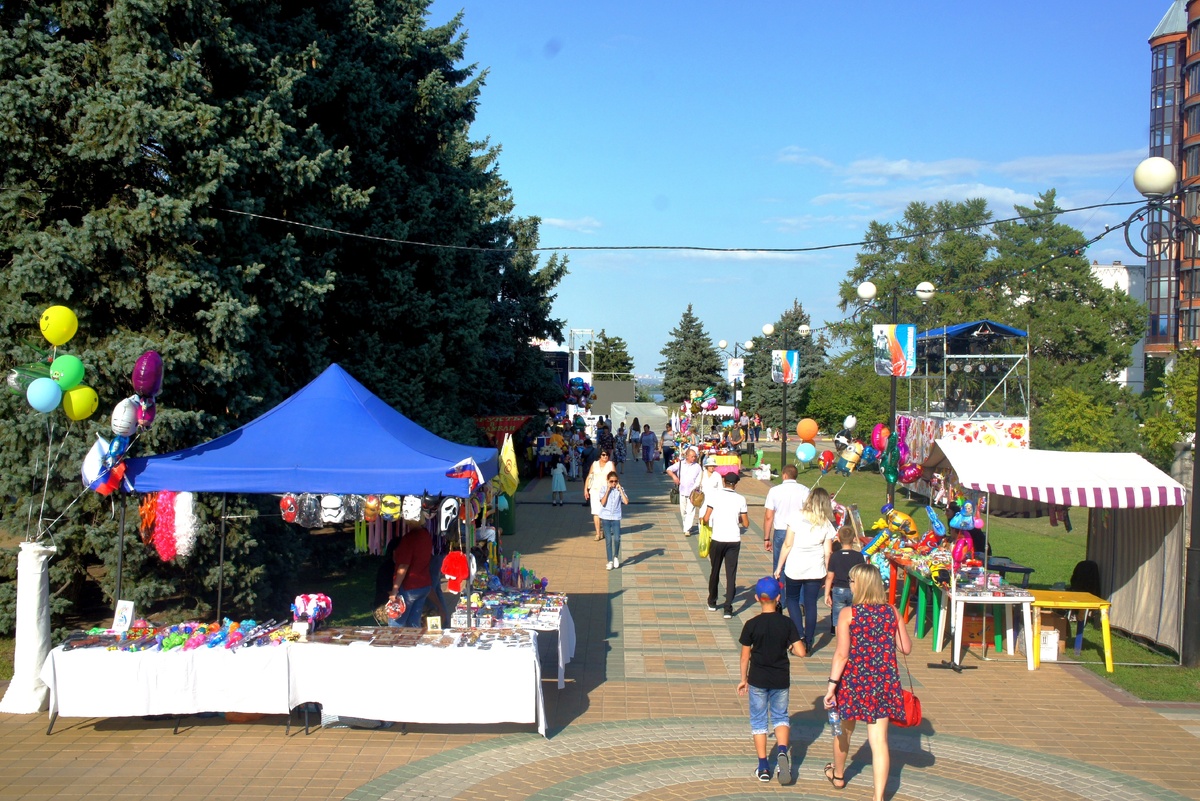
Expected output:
(1191, 161)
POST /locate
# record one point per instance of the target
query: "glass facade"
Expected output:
(1174, 101)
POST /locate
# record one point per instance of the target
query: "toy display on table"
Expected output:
(977, 582)
(384, 637)
(313, 608)
(507, 607)
(187, 636)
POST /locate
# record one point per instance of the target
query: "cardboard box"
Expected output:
(1050, 644)
(1058, 622)
(975, 628)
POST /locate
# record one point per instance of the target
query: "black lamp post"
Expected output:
(866, 293)
(1156, 178)
(744, 348)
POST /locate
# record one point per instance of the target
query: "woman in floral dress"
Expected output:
(619, 442)
(864, 683)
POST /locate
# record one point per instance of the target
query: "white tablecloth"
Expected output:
(958, 604)
(98, 683)
(421, 684)
(566, 642)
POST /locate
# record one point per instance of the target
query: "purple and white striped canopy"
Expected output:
(1021, 478)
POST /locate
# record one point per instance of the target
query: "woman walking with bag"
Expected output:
(802, 560)
(864, 683)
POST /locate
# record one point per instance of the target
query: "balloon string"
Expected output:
(50, 527)
(32, 492)
(66, 437)
(46, 481)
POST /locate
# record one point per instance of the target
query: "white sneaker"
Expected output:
(616, 562)
(608, 565)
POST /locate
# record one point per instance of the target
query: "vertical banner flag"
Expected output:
(895, 350)
(509, 477)
(737, 370)
(785, 366)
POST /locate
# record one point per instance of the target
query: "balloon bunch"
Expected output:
(909, 472)
(56, 382)
(104, 466)
(807, 429)
(844, 437)
(580, 393)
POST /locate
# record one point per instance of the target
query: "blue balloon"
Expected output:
(806, 452)
(44, 395)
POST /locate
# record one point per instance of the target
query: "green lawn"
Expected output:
(1053, 553)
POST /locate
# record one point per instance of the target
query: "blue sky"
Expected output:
(792, 124)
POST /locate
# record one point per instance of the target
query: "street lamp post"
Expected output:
(744, 348)
(1156, 178)
(769, 330)
(866, 293)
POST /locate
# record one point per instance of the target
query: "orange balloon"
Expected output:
(807, 429)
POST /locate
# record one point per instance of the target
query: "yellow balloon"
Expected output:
(59, 324)
(80, 403)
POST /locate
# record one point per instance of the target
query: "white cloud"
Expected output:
(1071, 165)
(998, 197)
(798, 155)
(743, 255)
(877, 171)
(805, 222)
(582, 225)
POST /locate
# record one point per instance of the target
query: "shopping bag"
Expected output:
(674, 496)
(705, 539)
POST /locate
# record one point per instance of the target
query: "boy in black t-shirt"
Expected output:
(766, 676)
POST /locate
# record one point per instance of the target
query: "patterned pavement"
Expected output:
(649, 710)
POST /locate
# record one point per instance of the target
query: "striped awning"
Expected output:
(1021, 478)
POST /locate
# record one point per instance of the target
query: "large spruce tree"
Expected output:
(765, 397)
(690, 360)
(174, 171)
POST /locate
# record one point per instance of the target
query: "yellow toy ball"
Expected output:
(59, 324)
(80, 402)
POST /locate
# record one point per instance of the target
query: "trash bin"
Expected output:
(507, 519)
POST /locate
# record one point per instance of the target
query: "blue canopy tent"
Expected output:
(333, 436)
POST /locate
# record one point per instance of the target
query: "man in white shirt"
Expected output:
(687, 474)
(727, 514)
(782, 502)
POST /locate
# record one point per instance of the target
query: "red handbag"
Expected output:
(912, 704)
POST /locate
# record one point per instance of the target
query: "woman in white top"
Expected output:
(596, 484)
(803, 558)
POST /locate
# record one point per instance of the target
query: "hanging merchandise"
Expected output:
(332, 510)
(371, 508)
(355, 506)
(308, 510)
(186, 524)
(389, 507)
(164, 526)
(147, 509)
(412, 508)
(448, 517)
(287, 507)
(360, 536)
(456, 570)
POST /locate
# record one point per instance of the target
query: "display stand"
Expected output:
(958, 602)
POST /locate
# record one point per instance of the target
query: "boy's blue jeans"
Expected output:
(768, 710)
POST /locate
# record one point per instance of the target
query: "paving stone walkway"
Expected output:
(649, 710)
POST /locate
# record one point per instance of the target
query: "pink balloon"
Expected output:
(146, 412)
(903, 448)
(910, 473)
(148, 374)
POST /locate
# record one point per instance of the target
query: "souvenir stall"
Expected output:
(1135, 523)
(353, 443)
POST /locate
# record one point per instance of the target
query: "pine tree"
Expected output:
(764, 397)
(612, 359)
(147, 147)
(690, 361)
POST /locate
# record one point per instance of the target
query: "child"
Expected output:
(766, 639)
(610, 519)
(558, 481)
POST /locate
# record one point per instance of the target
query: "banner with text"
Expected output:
(737, 370)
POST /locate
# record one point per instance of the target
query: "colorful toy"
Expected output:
(847, 462)
(877, 543)
(935, 522)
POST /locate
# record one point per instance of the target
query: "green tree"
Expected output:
(690, 360)
(847, 387)
(155, 154)
(1075, 422)
(764, 396)
(612, 359)
(1172, 414)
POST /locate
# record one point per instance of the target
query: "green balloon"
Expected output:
(67, 371)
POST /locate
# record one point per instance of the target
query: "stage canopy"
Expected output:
(979, 329)
(333, 436)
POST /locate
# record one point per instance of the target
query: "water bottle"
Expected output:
(835, 721)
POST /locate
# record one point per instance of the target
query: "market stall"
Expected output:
(1135, 520)
(533, 608)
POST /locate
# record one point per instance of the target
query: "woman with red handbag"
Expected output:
(864, 682)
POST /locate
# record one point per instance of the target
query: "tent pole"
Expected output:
(221, 558)
(120, 552)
